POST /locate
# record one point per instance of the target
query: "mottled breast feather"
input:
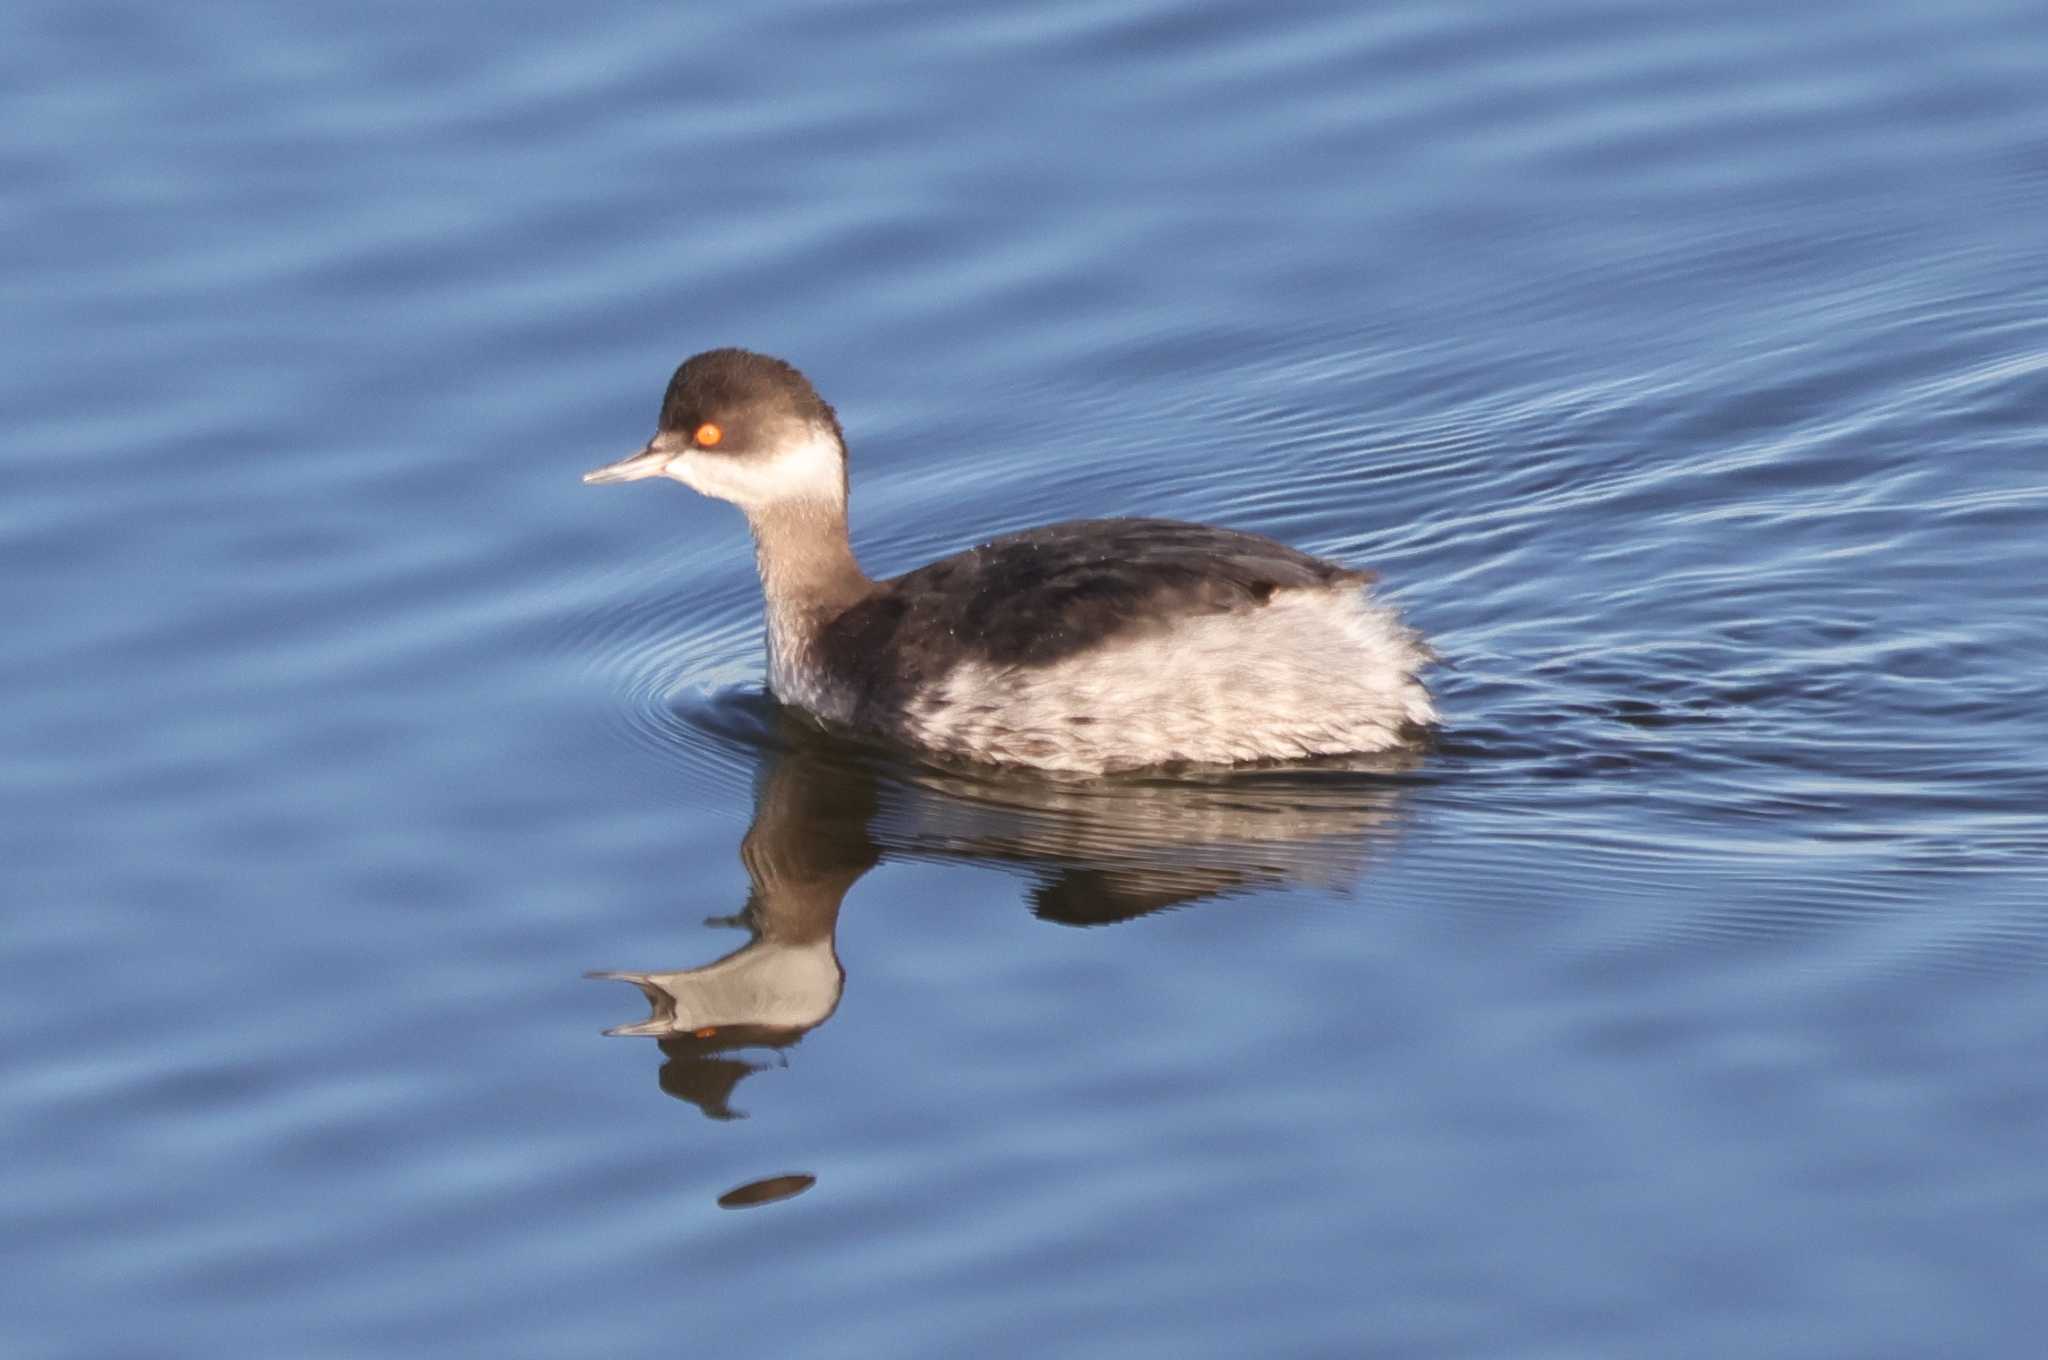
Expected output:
(1033, 598)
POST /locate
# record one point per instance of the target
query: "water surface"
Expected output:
(1681, 370)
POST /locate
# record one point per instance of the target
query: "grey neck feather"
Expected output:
(809, 574)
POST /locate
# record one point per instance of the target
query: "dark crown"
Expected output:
(738, 386)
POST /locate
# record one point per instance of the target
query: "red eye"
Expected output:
(709, 434)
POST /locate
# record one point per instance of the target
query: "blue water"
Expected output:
(1681, 368)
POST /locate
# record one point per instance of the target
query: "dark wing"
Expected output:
(1033, 597)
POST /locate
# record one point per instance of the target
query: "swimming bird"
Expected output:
(1090, 646)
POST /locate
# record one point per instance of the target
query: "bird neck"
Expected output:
(809, 575)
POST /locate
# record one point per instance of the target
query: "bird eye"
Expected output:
(709, 434)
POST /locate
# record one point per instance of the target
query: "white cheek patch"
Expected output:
(813, 470)
(713, 475)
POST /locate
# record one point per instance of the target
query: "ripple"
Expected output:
(683, 663)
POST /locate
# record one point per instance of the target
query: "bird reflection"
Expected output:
(1094, 852)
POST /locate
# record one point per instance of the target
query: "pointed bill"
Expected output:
(649, 462)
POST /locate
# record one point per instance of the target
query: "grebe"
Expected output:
(1090, 646)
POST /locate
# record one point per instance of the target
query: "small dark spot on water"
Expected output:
(766, 1191)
